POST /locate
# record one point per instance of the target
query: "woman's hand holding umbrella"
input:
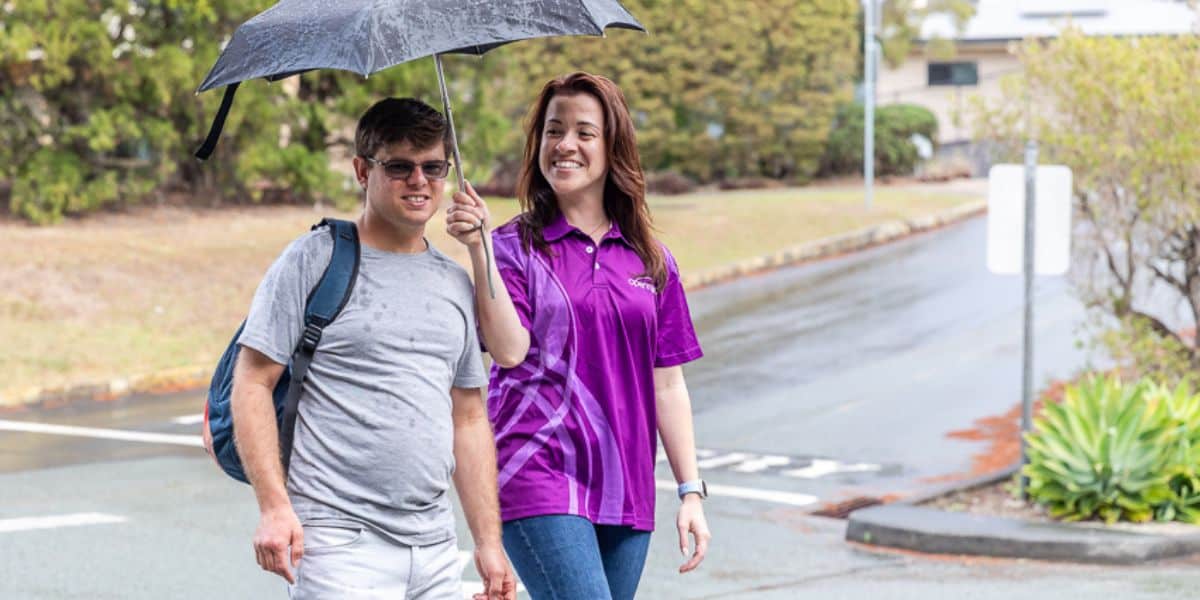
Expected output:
(466, 218)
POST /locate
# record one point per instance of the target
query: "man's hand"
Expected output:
(278, 531)
(691, 520)
(466, 217)
(499, 583)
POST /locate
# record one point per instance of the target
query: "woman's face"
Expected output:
(573, 156)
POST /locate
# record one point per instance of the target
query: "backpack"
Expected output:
(323, 305)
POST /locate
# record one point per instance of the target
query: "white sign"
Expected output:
(1006, 220)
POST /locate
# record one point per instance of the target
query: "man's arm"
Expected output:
(256, 436)
(475, 480)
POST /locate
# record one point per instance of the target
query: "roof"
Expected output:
(1003, 20)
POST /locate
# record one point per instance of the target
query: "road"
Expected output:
(821, 383)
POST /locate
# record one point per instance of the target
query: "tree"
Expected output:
(97, 108)
(721, 88)
(902, 22)
(1122, 113)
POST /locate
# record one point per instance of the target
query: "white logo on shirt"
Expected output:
(644, 283)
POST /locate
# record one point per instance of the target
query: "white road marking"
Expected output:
(723, 460)
(761, 463)
(56, 521)
(730, 491)
(821, 467)
(106, 434)
(189, 419)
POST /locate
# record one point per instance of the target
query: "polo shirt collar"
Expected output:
(559, 228)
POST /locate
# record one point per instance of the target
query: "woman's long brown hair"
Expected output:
(624, 186)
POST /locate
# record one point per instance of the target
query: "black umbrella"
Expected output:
(366, 36)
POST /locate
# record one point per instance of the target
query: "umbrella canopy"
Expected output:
(365, 36)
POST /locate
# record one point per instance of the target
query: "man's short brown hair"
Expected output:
(397, 120)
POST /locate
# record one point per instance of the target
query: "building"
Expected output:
(985, 49)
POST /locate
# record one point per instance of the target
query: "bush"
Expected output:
(946, 169)
(895, 154)
(750, 183)
(669, 183)
(1118, 452)
(1135, 187)
(503, 182)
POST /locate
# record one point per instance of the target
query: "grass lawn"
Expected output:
(121, 295)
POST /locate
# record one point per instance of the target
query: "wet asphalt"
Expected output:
(825, 382)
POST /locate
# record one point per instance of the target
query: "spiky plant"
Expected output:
(1102, 451)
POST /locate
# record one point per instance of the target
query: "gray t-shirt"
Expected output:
(374, 437)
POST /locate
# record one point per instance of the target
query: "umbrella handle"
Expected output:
(462, 182)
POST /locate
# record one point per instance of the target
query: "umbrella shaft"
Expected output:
(462, 183)
(437, 61)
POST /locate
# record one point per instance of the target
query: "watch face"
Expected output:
(703, 488)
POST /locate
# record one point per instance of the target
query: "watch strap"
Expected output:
(696, 486)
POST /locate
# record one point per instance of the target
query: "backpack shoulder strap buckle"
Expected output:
(311, 337)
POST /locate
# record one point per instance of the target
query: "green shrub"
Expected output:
(1183, 473)
(895, 154)
(1104, 451)
(1118, 451)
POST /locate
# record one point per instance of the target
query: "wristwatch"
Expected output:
(696, 486)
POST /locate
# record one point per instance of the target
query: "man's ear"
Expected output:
(361, 167)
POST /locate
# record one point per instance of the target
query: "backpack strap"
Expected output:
(324, 304)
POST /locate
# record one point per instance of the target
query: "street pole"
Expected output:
(869, 52)
(1031, 152)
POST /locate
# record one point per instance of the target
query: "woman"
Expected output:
(587, 336)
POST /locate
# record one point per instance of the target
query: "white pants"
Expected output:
(356, 563)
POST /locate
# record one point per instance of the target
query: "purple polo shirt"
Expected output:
(575, 423)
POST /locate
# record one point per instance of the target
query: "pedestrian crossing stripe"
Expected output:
(796, 467)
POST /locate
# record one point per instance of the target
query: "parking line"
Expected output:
(106, 434)
(722, 461)
(731, 491)
(195, 419)
(56, 521)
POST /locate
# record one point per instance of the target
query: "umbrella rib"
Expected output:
(372, 34)
(588, 11)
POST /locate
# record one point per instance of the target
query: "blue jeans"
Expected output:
(565, 557)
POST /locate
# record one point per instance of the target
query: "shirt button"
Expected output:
(590, 250)
(597, 265)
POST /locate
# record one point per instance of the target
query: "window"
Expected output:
(953, 73)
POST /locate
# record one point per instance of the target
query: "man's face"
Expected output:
(402, 184)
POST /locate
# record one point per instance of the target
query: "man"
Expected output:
(391, 404)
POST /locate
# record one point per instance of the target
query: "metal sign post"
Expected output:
(1031, 152)
(869, 51)
(1029, 233)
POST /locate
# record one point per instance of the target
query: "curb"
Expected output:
(905, 526)
(860, 239)
(177, 379)
(196, 377)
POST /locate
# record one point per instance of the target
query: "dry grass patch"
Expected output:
(121, 295)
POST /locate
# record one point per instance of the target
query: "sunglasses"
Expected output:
(402, 169)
